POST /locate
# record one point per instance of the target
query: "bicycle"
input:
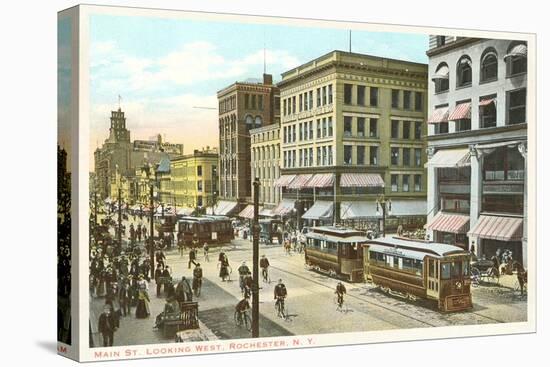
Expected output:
(265, 275)
(242, 318)
(280, 308)
(339, 301)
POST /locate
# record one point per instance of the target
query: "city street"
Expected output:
(310, 303)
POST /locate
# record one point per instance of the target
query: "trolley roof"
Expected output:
(420, 247)
(333, 238)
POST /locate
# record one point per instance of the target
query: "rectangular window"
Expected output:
(347, 93)
(347, 154)
(361, 95)
(310, 98)
(285, 162)
(324, 95)
(324, 156)
(260, 102)
(293, 158)
(330, 94)
(246, 101)
(395, 156)
(417, 182)
(347, 125)
(516, 101)
(373, 155)
(301, 132)
(318, 129)
(199, 185)
(418, 157)
(360, 154)
(293, 133)
(310, 130)
(407, 100)
(294, 104)
(374, 97)
(318, 156)
(301, 158)
(300, 102)
(417, 129)
(330, 157)
(394, 183)
(310, 157)
(360, 126)
(418, 101)
(199, 170)
(395, 98)
(253, 102)
(318, 97)
(406, 157)
(394, 129)
(442, 128)
(406, 129)
(406, 183)
(284, 106)
(445, 271)
(373, 128)
(330, 132)
(324, 127)
(487, 112)
(463, 125)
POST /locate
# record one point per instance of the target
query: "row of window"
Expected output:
(304, 157)
(228, 104)
(360, 155)
(515, 59)
(360, 95)
(265, 153)
(303, 131)
(360, 127)
(407, 154)
(406, 101)
(406, 182)
(253, 101)
(402, 263)
(304, 101)
(266, 172)
(406, 129)
(265, 136)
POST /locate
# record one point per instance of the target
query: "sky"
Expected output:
(64, 80)
(163, 68)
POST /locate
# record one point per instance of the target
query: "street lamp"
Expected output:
(384, 205)
(152, 177)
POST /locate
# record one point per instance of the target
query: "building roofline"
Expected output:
(265, 128)
(451, 46)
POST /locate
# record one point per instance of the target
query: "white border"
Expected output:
(86, 354)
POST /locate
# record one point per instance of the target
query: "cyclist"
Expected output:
(241, 309)
(247, 285)
(205, 250)
(279, 294)
(197, 279)
(264, 264)
(243, 271)
(340, 291)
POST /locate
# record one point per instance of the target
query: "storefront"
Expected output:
(450, 228)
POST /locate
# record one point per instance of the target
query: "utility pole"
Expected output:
(255, 265)
(151, 242)
(119, 218)
(95, 207)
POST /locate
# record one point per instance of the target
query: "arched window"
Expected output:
(489, 66)
(516, 59)
(441, 78)
(464, 72)
(258, 121)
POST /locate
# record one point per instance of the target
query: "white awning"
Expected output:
(284, 207)
(517, 51)
(450, 158)
(357, 209)
(320, 210)
(222, 208)
(185, 211)
(401, 208)
(441, 73)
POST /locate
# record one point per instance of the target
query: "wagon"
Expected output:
(484, 271)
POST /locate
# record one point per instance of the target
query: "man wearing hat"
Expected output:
(197, 279)
(183, 291)
(158, 280)
(107, 326)
(243, 271)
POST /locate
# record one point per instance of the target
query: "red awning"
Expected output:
(321, 180)
(247, 212)
(439, 115)
(451, 223)
(284, 180)
(300, 181)
(284, 207)
(461, 111)
(498, 228)
(486, 102)
(361, 180)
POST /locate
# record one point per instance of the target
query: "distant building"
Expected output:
(353, 127)
(194, 180)
(265, 160)
(242, 106)
(477, 143)
(119, 154)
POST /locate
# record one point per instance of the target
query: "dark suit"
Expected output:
(106, 327)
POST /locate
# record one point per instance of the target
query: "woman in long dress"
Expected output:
(142, 309)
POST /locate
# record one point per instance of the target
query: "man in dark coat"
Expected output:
(192, 257)
(124, 297)
(158, 276)
(107, 326)
(183, 291)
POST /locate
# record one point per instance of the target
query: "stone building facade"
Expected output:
(265, 160)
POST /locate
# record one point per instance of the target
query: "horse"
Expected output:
(521, 274)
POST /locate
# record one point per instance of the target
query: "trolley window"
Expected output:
(445, 270)
(456, 269)
(465, 268)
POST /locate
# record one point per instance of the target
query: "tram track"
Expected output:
(381, 306)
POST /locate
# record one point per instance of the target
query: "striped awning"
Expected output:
(450, 223)
(498, 228)
(222, 208)
(439, 115)
(300, 181)
(450, 158)
(321, 180)
(319, 211)
(518, 50)
(361, 180)
(284, 207)
(461, 111)
(247, 212)
(284, 180)
(186, 211)
(441, 73)
(486, 102)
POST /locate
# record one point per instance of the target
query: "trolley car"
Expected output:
(214, 230)
(336, 251)
(420, 269)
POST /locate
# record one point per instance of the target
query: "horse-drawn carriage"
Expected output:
(484, 271)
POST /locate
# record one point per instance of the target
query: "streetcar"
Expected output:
(336, 251)
(271, 231)
(420, 269)
(214, 230)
